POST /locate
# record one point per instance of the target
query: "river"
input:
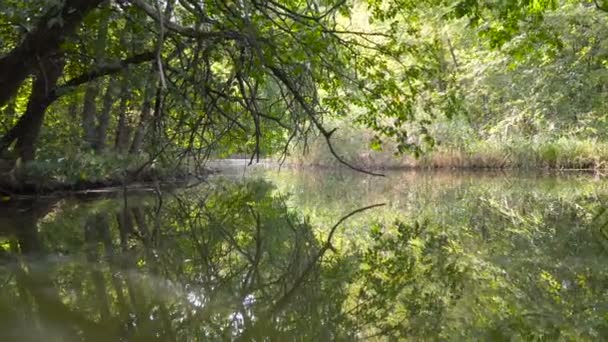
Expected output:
(258, 255)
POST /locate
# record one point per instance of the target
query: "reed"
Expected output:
(562, 153)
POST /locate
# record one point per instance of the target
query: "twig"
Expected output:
(279, 74)
(161, 40)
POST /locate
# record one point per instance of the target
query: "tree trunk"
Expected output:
(122, 130)
(146, 111)
(89, 109)
(104, 117)
(40, 44)
(88, 113)
(31, 122)
(158, 115)
(9, 116)
(10, 136)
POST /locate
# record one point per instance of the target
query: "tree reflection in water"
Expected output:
(225, 264)
(232, 261)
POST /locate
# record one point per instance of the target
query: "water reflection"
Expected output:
(214, 266)
(460, 258)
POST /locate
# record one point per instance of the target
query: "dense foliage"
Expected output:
(99, 92)
(188, 78)
(174, 82)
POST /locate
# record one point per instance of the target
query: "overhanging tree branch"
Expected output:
(102, 70)
(181, 30)
(281, 76)
(602, 7)
(108, 69)
(45, 40)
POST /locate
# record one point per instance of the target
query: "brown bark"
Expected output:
(10, 136)
(158, 114)
(88, 113)
(31, 122)
(122, 130)
(89, 110)
(107, 68)
(144, 118)
(40, 44)
(104, 116)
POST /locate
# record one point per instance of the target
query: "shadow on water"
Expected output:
(466, 257)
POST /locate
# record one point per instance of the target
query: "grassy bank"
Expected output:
(561, 153)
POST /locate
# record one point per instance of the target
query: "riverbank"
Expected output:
(92, 190)
(92, 174)
(89, 174)
(566, 153)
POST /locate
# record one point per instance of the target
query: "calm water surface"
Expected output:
(257, 256)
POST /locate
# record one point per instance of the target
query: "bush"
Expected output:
(79, 168)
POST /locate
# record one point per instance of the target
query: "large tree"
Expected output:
(255, 71)
(254, 74)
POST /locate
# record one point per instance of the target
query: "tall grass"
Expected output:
(538, 152)
(561, 153)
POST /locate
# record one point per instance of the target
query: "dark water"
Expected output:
(472, 256)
